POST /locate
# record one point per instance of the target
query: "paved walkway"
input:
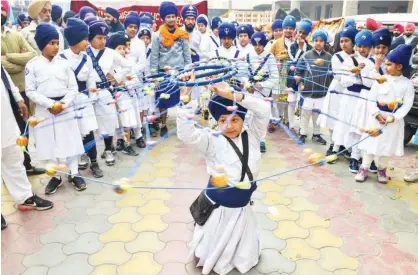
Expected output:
(314, 221)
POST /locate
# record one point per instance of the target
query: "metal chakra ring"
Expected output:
(215, 69)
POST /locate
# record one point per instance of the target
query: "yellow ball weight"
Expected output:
(22, 141)
(219, 180)
(331, 158)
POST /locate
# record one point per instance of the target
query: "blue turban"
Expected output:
(401, 55)
(227, 30)
(86, 9)
(305, 25)
(349, 22)
(217, 110)
(144, 31)
(91, 19)
(202, 20)
(364, 38)
(382, 37)
(321, 34)
(215, 23)
(117, 39)
(235, 23)
(245, 28)
(132, 19)
(97, 28)
(349, 33)
(289, 21)
(56, 13)
(146, 20)
(113, 12)
(68, 15)
(44, 34)
(22, 17)
(76, 31)
(167, 8)
(277, 24)
(189, 10)
(259, 38)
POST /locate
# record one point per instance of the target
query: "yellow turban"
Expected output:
(35, 7)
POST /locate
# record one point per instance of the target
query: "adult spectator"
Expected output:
(111, 18)
(40, 12)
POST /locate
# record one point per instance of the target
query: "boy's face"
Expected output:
(346, 44)
(98, 42)
(231, 127)
(259, 49)
(277, 33)
(381, 49)
(268, 33)
(319, 44)
(201, 27)
(132, 30)
(363, 50)
(288, 32)
(227, 42)
(393, 68)
(51, 49)
(243, 39)
(170, 20)
(121, 49)
(301, 35)
(82, 45)
(146, 40)
(215, 31)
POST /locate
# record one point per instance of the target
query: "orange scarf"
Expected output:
(169, 38)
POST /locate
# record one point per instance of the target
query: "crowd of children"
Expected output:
(93, 91)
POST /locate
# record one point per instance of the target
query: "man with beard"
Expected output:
(398, 38)
(15, 53)
(111, 17)
(409, 36)
(40, 12)
(170, 48)
(189, 14)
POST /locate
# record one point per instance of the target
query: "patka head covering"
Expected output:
(85, 10)
(132, 19)
(97, 28)
(245, 28)
(44, 34)
(400, 55)
(167, 8)
(202, 19)
(36, 7)
(76, 31)
(277, 24)
(218, 110)
(349, 22)
(23, 17)
(320, 33)
(117, 39)
(216, 22)
(305, 25)
(289, 21)
(364, 38)
(68, 15)
(189, 10)
(227, 30)
(56, 13)
(349, 33)
(382, 37)
(259, 38)
(144, 31)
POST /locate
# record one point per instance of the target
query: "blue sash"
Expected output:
(148, 52)
(195, 56)
(104, 84)
(386, 108)
(252, 74)
(356, 88)
(214, 41)
(380, 68)
(82, 85)
(339, 58)
(235, 56)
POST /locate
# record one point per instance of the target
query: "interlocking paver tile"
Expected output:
(289, 229)
(141, 263)
(131, 200)
(36, 270)
(44, 256)
(192, 269)
(25, 244)
(157, 195)
(355, 246)
(305, 267)
(145, 242)
(298, 249)
(174, 252)
(320, 237)
(42, 224)
(267, 186)
(309, 219)
(121, 232)
(64, 233)
(333, 259)
(265, 223)
(109, 195)
(284, 214)
(103, 208)
(302, 204)
(12, 263)
(178, 214)
(126, 215)
(176, 232)
(8, 207)
(372, 265)
(154, 207)
(341, 227)
(112, 253)
(259, 207)
(408, 242)
(294, 191)
(84, 201)
(273, 198)
(345, 272)
(271, 260)
(106, 269)
(95, 223)
(174, 268)
(87, 243)
(392, 256)
(150, 223)
(94, 188)
(394, 224)
(74, 264)
(74, 215)
(268, 240)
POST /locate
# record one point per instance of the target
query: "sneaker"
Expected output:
(35, 203)
(381, 176)
(163, 131)
(362, 175)
(109, 158)
(319, 139)
(95, 169)
(198, 110)
(78, 182)
(3, 223)
(128, 150)
(329, 152)
(344, 152)
(53, 185)
(302, 139)
(113, 150)
(263, 147)
(140, 142)
(373, 168)
(35, 171)
(120, 145)
(83, 161)
(354, 166)
(411, 177)
(205, 114)
(271, 128)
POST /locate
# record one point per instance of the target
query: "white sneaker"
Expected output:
(411, 177)
(83, 161)
(109, 158)
(361, 175)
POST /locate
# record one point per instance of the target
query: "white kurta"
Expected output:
(58, 136)
(83, 104)
(230, 238)
(248, 49)
(213, 45)
(230, 54)
(270, 84)
(331, 103)
(390, 142)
